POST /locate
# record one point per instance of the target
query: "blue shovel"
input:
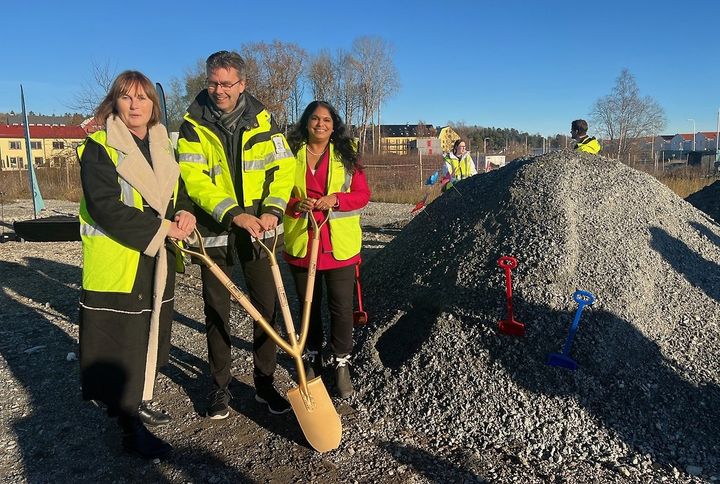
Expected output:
(583, 298)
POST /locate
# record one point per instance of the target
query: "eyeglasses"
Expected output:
(212, 86)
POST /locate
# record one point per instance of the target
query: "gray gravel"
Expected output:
(707, 200)
(442, 396)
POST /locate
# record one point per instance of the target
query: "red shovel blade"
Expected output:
(360, 318)
(511, 327)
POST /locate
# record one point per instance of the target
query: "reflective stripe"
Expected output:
(348, 181)
(126, 193)
(221, 208)
(261, 164)
(91, 230)
(269, 234)
(215, 171)
(192, 158)
(352, 213)
(276, 201)
(218, 241)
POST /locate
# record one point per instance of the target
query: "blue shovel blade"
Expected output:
(558, 359)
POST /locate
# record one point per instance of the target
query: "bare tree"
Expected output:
(321, 77)
(94, 89)
(273, 74)
(377, 78)
(623, 115)
(345, 96)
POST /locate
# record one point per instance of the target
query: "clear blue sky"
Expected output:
(530, 65)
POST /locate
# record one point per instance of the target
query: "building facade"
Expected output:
(49, 145)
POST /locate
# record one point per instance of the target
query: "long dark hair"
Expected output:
(343, 142)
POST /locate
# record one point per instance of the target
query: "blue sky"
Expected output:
(530, 65)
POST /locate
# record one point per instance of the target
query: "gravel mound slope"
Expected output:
(707, 200)
(645, 400)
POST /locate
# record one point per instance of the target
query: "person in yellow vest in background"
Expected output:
(458, 165)
(238, 170)
(588, 144)
(328, 175)
(132, 202)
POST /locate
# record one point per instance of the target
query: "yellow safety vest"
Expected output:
(345, 231)
(108, 265)
(261, 153)
(460, 168)
(589, 145)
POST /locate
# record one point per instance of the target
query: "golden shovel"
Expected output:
(310, 401)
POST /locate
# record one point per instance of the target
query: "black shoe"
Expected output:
(138, 439)
(152, 417)
(218, 404)
(276, 404)
(343, 384)
(313, 364)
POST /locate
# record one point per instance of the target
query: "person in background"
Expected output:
(458, 163)
(588, 144)
(238, 170)
(328, 176)
(133, 200)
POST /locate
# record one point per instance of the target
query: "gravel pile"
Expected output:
(435, 374)
(707, 200)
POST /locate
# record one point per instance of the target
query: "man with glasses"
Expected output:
(238, 170)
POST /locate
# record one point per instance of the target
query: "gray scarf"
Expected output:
(229, 121)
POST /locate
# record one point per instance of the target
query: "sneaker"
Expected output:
(218, 404)
(313, 364)
(276, 404)
(343, 384)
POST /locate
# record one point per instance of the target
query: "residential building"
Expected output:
(49, 145)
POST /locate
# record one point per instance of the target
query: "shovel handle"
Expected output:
(358, 287)
(583, 297)
(507, 262)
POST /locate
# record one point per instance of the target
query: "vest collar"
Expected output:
(155, 184)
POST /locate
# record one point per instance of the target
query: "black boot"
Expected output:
(343, 384)
(138, 439)
(313, 364)
(152, 417)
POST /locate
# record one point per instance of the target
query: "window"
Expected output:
(15, 145)
(58, 145)
(36, 145)
(39, 160)
(16, 161)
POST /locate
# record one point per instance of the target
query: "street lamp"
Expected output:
(693, 122)
(485, 145)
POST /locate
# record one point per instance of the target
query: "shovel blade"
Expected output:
(360, 318)
(317, 416)
(557, 359)
(511, 327)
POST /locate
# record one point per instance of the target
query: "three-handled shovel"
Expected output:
(310, 401)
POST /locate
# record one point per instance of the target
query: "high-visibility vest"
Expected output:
(345, 231)
(108, 265)
(460, 168)
(261, 152)
(589, 145)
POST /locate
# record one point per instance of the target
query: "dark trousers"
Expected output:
(340, 284)
(261, 291)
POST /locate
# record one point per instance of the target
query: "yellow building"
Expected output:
(49, 145)
(447, 137)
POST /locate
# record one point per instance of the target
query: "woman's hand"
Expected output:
(327, 202)
(305, 205)
(185, 221)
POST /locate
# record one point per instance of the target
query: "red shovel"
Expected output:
(509, 325)
(360, 317)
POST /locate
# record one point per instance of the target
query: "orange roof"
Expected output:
(42, 132)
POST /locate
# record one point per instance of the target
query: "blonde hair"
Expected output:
(122, 85)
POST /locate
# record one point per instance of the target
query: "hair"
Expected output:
(456, 144)
(225, 59)
(344, 144)
(579, 125)
(122, 85)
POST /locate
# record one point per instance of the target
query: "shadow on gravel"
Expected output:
(700, 272)
(622, 379)
(436, 469)
(702, 230)
(200, 328)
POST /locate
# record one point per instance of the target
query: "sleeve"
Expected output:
(473, 167)
(195, 172)
(279, 175)
(357, 197)
(128, 225)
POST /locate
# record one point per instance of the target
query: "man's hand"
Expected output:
(268, 221)
(252, 224)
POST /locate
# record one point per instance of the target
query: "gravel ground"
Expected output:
(442, 396)
(707, 200)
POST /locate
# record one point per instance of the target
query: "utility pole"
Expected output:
(693, 122)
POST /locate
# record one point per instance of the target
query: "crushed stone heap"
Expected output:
(707, 200)
(644, 402)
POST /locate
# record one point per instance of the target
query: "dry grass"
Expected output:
(56, 183)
